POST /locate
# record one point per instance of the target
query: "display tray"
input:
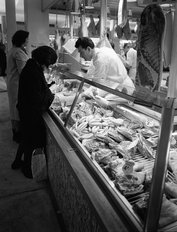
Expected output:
(77, 127)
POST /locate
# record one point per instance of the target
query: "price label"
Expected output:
(128, 167)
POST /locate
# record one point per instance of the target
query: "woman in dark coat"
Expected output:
(34, 98)
(3, 60)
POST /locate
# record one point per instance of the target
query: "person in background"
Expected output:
(16, 60)
(108, 67)
(3, 60)
(130, 61)
(34, 98)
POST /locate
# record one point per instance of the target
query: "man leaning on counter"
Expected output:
(107, 68)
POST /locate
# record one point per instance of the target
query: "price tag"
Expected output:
(128, 167)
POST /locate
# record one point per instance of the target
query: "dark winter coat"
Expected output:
(3, 63)
(34, 98)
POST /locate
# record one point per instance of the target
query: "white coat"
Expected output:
(15, 62)
(109, 70)
(132, 61)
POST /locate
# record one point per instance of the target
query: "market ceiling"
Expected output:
(64, 6)
(135, 7)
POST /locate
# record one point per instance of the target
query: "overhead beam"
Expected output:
(55, 11)
(46, 4)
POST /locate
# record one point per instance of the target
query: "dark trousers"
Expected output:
(27, 151)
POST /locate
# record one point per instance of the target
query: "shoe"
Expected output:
(17, 164)
(27, 172)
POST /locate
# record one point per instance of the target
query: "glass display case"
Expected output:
(128, 144)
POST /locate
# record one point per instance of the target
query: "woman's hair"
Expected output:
(84, 42)
(19, 38)
(44, 55)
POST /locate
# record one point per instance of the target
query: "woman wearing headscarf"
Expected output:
(34, 98)
(16, 60)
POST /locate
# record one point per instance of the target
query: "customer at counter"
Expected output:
(107, 68)
(3, 60)
(34, 98)
(16, 60)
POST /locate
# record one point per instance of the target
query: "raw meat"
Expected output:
(171, 189)
(172, 162)
(91, 27)
(83, 31)
(126, 30)
(168, 39)
(98, 27)
(122, 12)
(119, 31)
(149, 47)
(168, 212)
(130, 184)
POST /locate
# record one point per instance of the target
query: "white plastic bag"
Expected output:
(39, 165)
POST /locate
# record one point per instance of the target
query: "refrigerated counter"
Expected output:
(89, 196)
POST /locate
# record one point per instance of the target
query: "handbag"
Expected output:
(39, 165)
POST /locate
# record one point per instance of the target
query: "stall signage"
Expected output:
(146, 2)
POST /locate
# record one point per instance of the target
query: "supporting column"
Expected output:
(71, 25)
(37, 23)
(103, 18)
(10, 21)
(172, 86)
(3, 28)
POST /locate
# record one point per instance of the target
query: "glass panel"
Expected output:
(122, 144)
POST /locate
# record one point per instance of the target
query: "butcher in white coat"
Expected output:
(107, 68)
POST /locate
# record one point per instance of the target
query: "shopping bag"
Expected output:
(38, 165)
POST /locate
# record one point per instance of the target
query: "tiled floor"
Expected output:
(25, 205)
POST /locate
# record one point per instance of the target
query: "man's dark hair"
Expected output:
(44, 55)
(19, 38)
(84, 42)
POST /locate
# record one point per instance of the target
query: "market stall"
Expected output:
(112, 166)
(66, 146)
